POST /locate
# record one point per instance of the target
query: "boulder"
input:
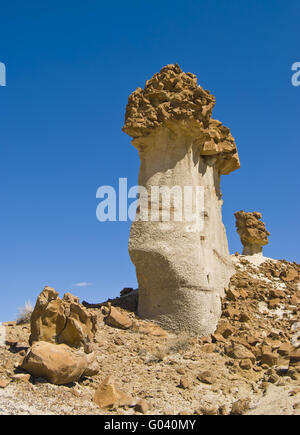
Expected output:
(62, 321)
(57, 363)
(238, 351)
(108, 396)
(240, 406)
(207, 377)
(117, 319)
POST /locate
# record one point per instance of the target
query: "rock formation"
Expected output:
(181, 259)
(58, 363)
(252, 231)
(64, 320)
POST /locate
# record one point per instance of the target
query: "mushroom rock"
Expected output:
(182, 259)
(252, 231)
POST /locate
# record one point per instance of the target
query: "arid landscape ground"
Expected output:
(250, 365)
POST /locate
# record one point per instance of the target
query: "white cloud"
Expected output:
(83, 284)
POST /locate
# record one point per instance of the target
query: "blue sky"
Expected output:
(70, 68)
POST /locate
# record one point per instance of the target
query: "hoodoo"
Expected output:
(182, 263)
(252, 231)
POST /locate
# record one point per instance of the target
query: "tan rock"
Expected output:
(224, 328)
(283, 363)
(184, 383)
(208, 347)
(208, 410)
(59, 364)
(21, 377)
(117, 319)
(289, 275)
(273, 378)
(244, 317)
(246, 364)
(4, 383)
(142, 406)
(295, 355)
(274, 303)
(240, 406)
(180, 280)
(152, 329)
(252, 231)
(294, 300)
(207, 377)
(217, 338)
(232, 295)
(62, 321)
(285, 349)
(108, 396)
(269, 358)
(231, 312)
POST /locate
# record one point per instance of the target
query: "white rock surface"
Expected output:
(2, 335)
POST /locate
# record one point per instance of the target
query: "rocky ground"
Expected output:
(251, 365)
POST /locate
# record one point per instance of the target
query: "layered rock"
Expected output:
(252, 231)
(60, 321)
(182, 259)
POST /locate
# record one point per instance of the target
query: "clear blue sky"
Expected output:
(70, 68)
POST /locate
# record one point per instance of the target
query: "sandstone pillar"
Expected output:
(182, 265)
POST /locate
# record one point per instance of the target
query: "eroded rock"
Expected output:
(182, 262)
(62, 321)
(109, 396)
(252, 231)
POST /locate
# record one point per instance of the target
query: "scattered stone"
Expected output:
(244, 317)
(206, 377)
(208, 347)
(142, 406)
(246, 364)
(4, 383)
(289, 275)
(240, 406)
(152, 329)
(224, 328)
(21, 377)
(117, 319)
(207, 410)
(223, 410)
(108, 396)
(217, 338)
(268, 358)
(184, 383)
(273, 378)
(232, 295)
(238, 351)
(274, 303)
